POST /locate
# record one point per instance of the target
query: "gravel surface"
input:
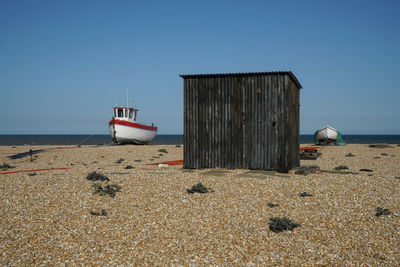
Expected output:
(53, 217)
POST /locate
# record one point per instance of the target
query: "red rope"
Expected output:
(172, 162)
(38, 170)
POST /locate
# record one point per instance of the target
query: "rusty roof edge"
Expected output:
(210, 75)
(293, 77)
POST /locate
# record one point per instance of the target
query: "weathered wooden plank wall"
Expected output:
(247, 120)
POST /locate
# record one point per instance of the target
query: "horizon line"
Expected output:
(180, 134)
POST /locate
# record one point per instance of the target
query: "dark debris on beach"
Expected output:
(120, 161)
(110, 190)
(94, 176)
(305, 194)
(277, 225)
(26, 154)
(6, 166)
(305, 170)
(380, 211)
(366, 170)
(198, 188)
(128, 167)
(102, 213)
(339, 168)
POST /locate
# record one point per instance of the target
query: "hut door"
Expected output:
(260, 127)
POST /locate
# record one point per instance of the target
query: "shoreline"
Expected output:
(27, 140)
(52, 216)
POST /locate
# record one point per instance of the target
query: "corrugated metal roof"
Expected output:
(211, 75)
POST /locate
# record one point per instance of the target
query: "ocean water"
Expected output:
(20, 140)
(360, 139)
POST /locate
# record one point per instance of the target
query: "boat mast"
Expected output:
(127, 99)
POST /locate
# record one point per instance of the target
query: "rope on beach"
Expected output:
(84, 140)
(171, 162)
(37, 170)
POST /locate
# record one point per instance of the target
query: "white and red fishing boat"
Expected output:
(328, 135)
(124, 129)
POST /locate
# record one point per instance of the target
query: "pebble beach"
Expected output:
(50, 214)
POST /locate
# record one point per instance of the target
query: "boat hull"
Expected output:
(124, 132)
(326, 134)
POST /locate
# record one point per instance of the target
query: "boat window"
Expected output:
(120, 112)
(135, 115)
(130, 113)
(115, 112)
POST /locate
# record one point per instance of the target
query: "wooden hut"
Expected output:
(241, 120)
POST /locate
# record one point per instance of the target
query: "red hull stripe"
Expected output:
(132, 124)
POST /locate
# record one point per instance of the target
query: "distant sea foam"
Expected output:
(19, 140)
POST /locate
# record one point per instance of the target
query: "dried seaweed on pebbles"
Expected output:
(94, 176)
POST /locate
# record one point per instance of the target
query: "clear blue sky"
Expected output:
(64, 64)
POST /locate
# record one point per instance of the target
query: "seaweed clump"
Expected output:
(305, 170)
(110, 190)
(305, 194)
(380, 212)
(198, 188)
(102, 213)
(272, 205)
(94, 176)
(6, 166)
(128, 167)
(277, 225)
(120, 161)
(163, 150)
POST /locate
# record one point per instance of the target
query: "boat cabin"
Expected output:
(124, 113)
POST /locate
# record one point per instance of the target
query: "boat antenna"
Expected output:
(127, 99)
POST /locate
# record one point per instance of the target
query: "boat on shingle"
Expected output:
(328, 136)
(124, 129)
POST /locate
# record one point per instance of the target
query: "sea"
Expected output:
(26, 140)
